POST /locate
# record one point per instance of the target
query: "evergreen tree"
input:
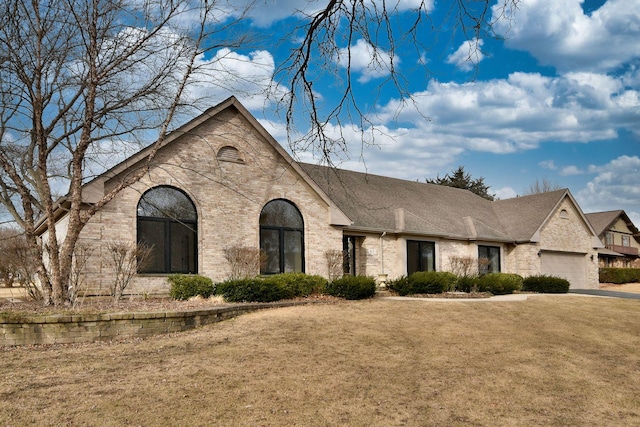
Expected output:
(461, 179)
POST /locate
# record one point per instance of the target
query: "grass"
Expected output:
(550, 360)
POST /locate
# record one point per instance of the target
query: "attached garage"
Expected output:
(570, 266)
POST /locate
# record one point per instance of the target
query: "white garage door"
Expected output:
(568, 266)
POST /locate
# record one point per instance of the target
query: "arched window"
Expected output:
(281, 238)
(167, 223)
(229, 154)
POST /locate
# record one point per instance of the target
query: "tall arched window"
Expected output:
(281, 238)
(167, 223)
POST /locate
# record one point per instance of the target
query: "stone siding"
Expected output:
(82, 328)
(228, 196)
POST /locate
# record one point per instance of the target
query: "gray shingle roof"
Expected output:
(378, 203)
(601, 221)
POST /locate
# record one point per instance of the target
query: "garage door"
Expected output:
(566, 265)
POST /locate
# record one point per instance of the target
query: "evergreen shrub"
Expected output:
(431, 282)
(501, 283)
(619, 275)
(545, 284)
(352, 287)
(185, 286)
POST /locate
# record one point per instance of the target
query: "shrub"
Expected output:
(298, 284)
(546, 284)
(431, 282)
(184, 286)
(619, 275)
(253, 290)
(352, 287)
(400, 285)
(501, 283)
(468, 284)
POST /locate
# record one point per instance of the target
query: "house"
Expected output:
(221, 180)
(620, 237)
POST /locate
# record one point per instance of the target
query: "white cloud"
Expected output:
(468, 55)
(548, 164)
(571, 170)
(558, 33)
(506, 193)
(506, 116)
(615, 187)
(248, 77)
(370, 61)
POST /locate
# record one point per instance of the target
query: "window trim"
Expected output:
(167, 223)
(281, 239)
(490, 269)
(420, 264)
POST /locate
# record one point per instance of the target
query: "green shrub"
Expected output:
(185, 286)
(253, 290)
(352, 287)
(299, 284)
(431, 282)
(545, 284)
(468, 284)
(501, 283)
(400, 285)
(619, 275)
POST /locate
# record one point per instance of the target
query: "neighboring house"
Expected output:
(620, 237)
(221, 180)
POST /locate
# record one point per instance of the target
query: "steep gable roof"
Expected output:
(603, 221)
(522, 217)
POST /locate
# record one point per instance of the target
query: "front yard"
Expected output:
(551, 360)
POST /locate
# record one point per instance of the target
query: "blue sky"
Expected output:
(558, 98)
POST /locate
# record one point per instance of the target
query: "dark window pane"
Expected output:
(270, 246)
(413, 257)
(280, 213)
(421, 256)
(182, 248)
(292, 251)
(349, 255)
(488, 259)
(427, 256)
(152, 235)
(166, 202)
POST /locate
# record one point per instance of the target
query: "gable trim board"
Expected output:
(383, 212)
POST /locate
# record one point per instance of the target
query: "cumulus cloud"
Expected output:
(548, 164)
(506, 193)
(248, 77)
(468, 55)
(370, 61)
(615, 186)
(560, 34)
(516, 114)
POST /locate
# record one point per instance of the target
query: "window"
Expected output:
(167, 223)
(281, 238)
(349, 255)
(625, 240)
(609, 238)
(488, 259)
(564, 214)
(421, 256)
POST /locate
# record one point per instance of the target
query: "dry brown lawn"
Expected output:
(550, 360)
(627, 287)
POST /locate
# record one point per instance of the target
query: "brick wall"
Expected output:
(228, 197)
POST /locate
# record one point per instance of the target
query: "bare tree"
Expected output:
(326, 47)
(77, 76)
(127, 257)
(543, 185)
(244, 261)
(335, 261)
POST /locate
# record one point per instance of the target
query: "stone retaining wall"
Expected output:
(81, 328)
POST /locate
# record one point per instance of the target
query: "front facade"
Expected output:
(221, 181)
(620, 237)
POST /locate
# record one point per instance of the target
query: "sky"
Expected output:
(556, 96)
